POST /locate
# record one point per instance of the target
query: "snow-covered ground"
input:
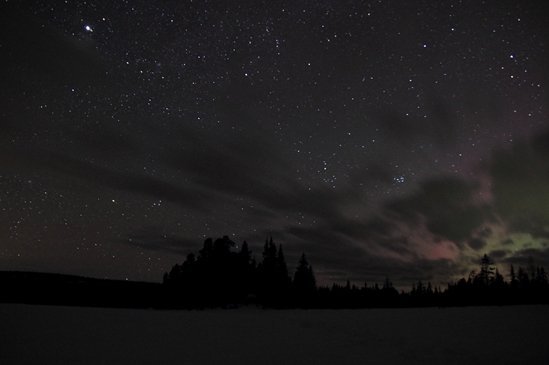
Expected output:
(65, 335)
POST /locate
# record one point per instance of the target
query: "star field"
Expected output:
(131, 130)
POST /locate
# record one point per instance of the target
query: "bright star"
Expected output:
(87, 28)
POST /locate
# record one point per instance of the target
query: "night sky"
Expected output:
(383, 138)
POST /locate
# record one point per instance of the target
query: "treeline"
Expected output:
(485, 287)
(222, 275)
(525, 286)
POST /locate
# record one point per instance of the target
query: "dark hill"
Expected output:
(60, 289)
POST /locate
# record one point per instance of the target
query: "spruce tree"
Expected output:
(304, 283)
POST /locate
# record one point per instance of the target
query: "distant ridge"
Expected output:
(51, 276)
(62, 289)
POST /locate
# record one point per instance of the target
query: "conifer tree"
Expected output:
(304, 279)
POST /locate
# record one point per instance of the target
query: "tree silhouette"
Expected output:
(222, 275)
(273, 280)
(514, 281)
(487, 271)
(304, 283)
(245, 272)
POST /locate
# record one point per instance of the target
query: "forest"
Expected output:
(221, 275)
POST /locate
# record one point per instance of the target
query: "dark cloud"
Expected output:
(323, 241)
(479, 238)
(447, 205)
(106, 142)
(476, 243)
(251, 168)
(339, 258)
(446, 208)
(520, 185)
(383, 239)
(485, 232)
(371, 174)
(498, 255)
(132, 182)
(528, 257)
(151, 239)
(507, 241)
(230, 164)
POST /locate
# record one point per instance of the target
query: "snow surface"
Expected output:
(69, 335)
